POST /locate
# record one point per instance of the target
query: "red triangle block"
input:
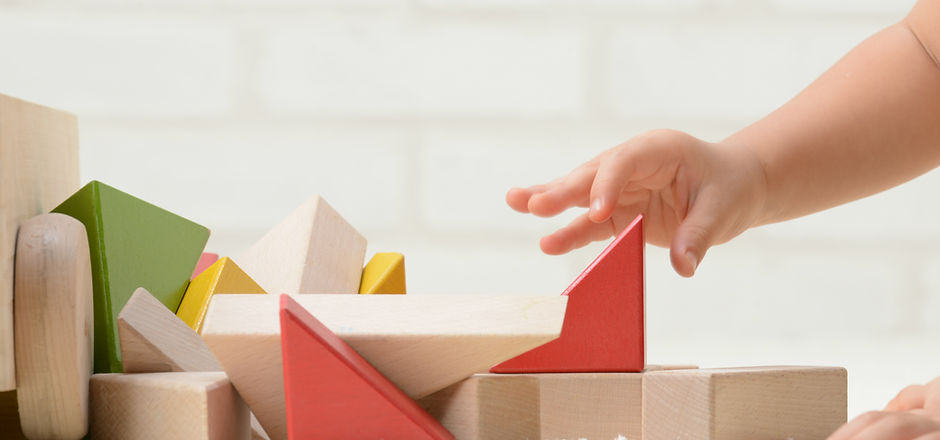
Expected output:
(603, 329)
(333, 392)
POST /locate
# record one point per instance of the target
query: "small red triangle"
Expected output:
(333, 392)
(603, 329)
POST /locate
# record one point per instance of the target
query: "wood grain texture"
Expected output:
(153, 340)
(754, 403)
(38, 169)
(332, 392)
(420, 343)
(223, 276)
(604, 327)
(384, 274)
(488, 406)
(192, 406)
(53, 327)
(133, 244)
(205, 260)
(313, 250)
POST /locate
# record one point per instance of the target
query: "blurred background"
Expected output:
(413, 118)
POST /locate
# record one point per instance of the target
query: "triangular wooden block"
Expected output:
(204, 262)
(420, 343)
(224, 276)
(133, 244)
(332, 392)
(604, 328)
(385, 273)
(313, 250)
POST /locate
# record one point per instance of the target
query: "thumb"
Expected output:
(693, 238)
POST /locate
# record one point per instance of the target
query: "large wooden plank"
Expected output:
(54, 327)
(420, 343)
(313, 250)
(756, 403)
(38, 169)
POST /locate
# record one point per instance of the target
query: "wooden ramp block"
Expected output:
(38, 169)
(755, 403)
(54, 327)
(204, 262)
(332, 392)
(133, 244)
(192, 406)
(420, 343)
(604, 328)
(224, 276)
(385, 273)
(313, 250)
(488, 406)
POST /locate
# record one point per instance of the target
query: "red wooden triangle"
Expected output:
(333, 392)
(603, 329)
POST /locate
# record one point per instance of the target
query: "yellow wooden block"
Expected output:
(224, 276)
(385, 273)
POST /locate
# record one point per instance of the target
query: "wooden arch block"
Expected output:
(604, 327)
(204, 262)
(313, 250)
(224, 276)
(133, 244)
(330, 391)
(38, 169)
(385, 273)
(53, 327)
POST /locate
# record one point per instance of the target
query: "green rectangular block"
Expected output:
(133, 244)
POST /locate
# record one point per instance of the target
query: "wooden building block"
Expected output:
(53, 327)
(38, 169)
(133, 244)
(488, 406)
(604, 327)
(204, 262)
(224, 276)
(744, 403)
(420, 343)
(330, 391)
(153, 340)
(192, 406)
(313, 250)
(385, 273)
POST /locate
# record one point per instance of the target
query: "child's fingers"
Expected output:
(931, 436)
(518, 198)
(911, 397)
(637, 159)
(857, 425)
(932, 397)
(569, 191)
(694, 236)
(579, 233)
(897, 426)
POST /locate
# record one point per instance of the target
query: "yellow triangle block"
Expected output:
(385, 273)
(224, 276)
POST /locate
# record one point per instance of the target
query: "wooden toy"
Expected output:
(204, 262)
(53, 327)
(330, 391)
(420, 343)
(385, 273)
(488, 406)
(192, 406)
(133, 244)
(38, 168)
(313, 250)
(605, 310)
(224, 276)
(153, 340)
(744, 403)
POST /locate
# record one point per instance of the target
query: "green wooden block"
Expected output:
(133, 244)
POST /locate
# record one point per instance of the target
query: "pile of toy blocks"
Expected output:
(114, 323)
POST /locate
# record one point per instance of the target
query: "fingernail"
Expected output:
(692, 259)
(596, 206)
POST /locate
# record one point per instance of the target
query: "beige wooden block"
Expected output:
(420, 343)
(38, 169)
(155, 340)
(488, 406)
(313, 250)
(753, 403)
(54, 327)
(192, 406)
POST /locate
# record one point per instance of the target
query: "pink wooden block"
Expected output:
(204, 262)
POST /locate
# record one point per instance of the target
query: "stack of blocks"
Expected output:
(184, 344)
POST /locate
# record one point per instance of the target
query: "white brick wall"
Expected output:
(414, 117)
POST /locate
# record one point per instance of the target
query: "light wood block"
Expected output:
(224, 276)
(313, 250)
(192, 406)
(385, 273)
(420, 343)
(755, 403)
(38, 169)
(488, 406)
(54, 327)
